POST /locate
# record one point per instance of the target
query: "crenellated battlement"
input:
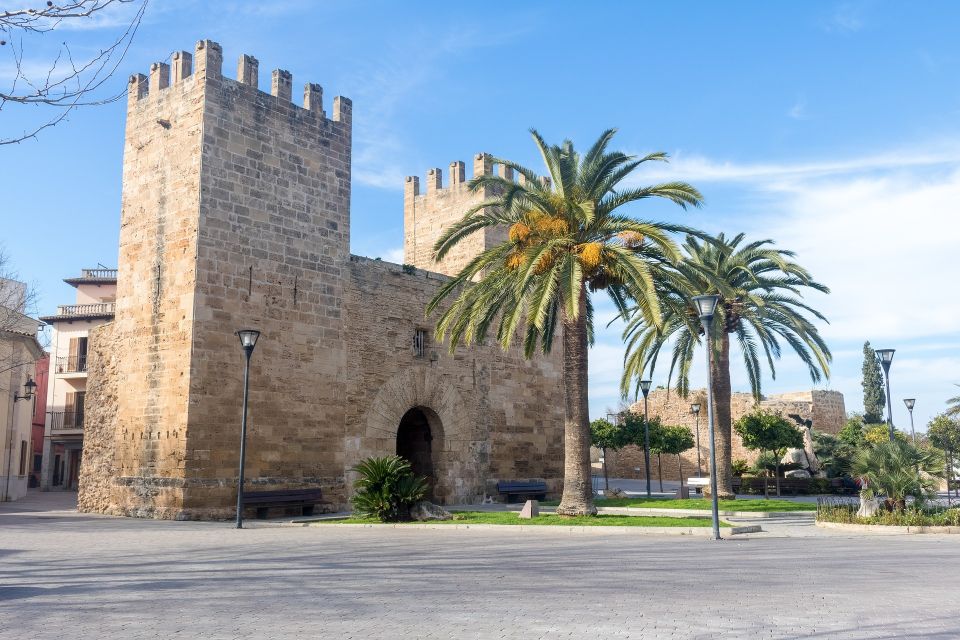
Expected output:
(206, 65)
(483, 164)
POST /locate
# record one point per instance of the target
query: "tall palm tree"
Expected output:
(760, 307)
(567, 238)
(953, 410)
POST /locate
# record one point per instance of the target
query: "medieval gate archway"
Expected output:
(458, 447)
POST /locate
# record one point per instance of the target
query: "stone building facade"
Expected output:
(824, 408)
(236, 213)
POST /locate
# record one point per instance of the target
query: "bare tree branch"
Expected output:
(65, 83)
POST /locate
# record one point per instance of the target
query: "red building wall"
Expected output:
(41, 377)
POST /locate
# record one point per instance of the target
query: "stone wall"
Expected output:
(825, 408)
(499, 414)
(100, 438)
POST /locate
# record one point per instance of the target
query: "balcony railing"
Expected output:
(99, 274)
(65, 420)
(97, 309)
(72, 364)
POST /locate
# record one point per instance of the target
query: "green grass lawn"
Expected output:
(512, 518)
(703, 503)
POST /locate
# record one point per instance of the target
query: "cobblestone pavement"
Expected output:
(64, 574)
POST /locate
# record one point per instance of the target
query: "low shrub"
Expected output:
(844, 510)
(387, 489)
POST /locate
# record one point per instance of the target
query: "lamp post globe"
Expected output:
(911, 403)
(706, 306)
(886, 357)
(248, 342)
(695, 410)
(645, 389)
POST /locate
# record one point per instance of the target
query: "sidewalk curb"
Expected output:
(705, 532)
(889, 530)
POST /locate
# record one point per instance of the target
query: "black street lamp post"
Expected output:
(645, 389)
(886, 357)
(695, 410)
(911, 402)
(706, 306)
(248, 340)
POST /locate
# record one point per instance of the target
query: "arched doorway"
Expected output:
(415, 442)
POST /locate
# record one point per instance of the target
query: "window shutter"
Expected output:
(68, 407)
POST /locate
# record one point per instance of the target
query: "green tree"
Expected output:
(898, 470)
(852, 432)
(760, 307)
(675, 440)
(876, 433)
(944, 434)
(769, 432)
(874, 398)
(567, 237)
(607, 436)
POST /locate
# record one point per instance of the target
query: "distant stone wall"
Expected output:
(825, 408)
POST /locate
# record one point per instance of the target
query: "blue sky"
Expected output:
(831, 127)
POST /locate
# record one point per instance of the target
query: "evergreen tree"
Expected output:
(874, 399)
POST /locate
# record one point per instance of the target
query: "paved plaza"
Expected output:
(64, 574)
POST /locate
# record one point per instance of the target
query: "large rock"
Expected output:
(615, 493)
(425, 510)
(797, 473)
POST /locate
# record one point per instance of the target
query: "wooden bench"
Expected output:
(536, 490)
(263, 500)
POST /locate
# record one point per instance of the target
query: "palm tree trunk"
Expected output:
(577, 499)
(720, 375)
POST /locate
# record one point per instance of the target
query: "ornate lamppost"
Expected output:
(706, 307)
(911, 402)
(645, 389)
(248, 340)
(886, 357)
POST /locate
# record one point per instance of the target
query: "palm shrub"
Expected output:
(387, 488)
(566, 238)
(897, 470)
(761, 308)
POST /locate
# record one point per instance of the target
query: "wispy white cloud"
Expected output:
(799, 110)
(847, 17)
(695, 167)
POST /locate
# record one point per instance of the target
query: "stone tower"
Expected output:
(426, 215)
(235, 213)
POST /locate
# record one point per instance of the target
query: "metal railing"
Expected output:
(64, 420)
(72, 364)
(97, 309)
(100, 274)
